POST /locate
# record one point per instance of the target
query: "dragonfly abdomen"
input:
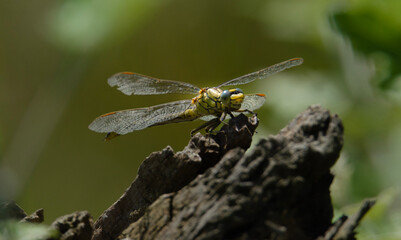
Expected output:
(188, 115)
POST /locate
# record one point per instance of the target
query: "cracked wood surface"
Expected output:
(279, 190)
(214, 190)
(165, 172)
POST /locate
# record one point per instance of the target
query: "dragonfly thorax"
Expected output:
(215, 101)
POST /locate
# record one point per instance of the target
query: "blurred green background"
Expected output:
(55, 58)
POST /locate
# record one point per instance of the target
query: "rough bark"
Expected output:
(11, 210)
(35, 217)
(279, 190)
(74, 226)
(164, 172)
(344, 227)
(213, 190)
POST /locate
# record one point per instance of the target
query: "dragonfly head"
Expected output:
(232, 99)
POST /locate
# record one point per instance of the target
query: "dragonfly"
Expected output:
(211, 104)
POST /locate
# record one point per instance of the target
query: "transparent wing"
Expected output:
(132, 83)
(126, 121)
(251, 102)
(207, 117)
(264, 72)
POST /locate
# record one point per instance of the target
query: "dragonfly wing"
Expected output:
(253, 101)
(207, 117)
(137, 84)
(264, 72)
(126, 121)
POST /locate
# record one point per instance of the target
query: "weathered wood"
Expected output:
(165, 172)
(35, 217)
(344, 227)
(74, 226)
(279, 190)
(11, 210)
(213, 190)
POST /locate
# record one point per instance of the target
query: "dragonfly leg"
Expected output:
(223, 116)
(212, 126)
(212, 123)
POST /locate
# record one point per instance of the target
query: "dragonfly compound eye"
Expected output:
(238, 90)
(225, 96)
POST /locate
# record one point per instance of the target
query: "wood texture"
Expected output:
(165, 172)
(213, 189)
(278, 190)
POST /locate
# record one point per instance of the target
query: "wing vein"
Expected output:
(126, 121)
(138, 84)
(261, 74)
